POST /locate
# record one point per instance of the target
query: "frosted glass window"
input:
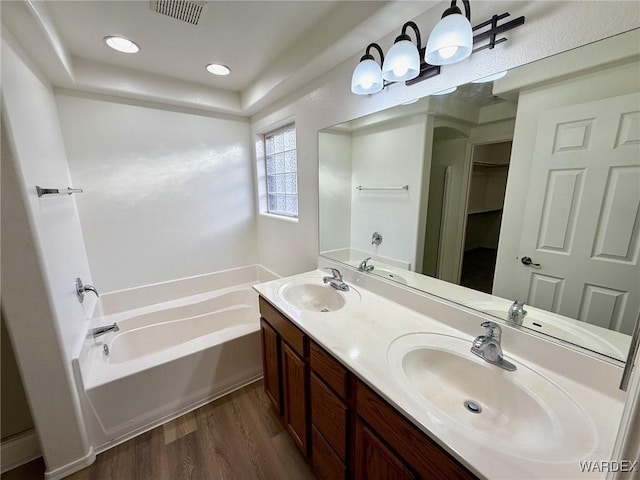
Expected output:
(282, 167)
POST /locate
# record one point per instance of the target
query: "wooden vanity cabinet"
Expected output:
(294, 392)
(271, 364)
(330, 415)
(421, 456)
(375, 460)
(346, 428)
(286, 377)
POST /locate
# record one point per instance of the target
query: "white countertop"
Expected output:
(359, 336)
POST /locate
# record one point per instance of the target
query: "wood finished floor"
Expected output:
(236, 437)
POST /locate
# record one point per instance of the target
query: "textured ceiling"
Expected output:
(272, 47)
(244, 35)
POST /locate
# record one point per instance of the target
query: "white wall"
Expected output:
(551, 27)
(42, 253)
(167, 194)
(15, 416)
(390, 154)
(335, 190)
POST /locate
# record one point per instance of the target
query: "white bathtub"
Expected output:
(171, 356)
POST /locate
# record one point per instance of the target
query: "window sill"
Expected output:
(280, 217)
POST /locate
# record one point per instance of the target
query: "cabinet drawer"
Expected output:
(417, 449)
(329, 369)
(287, 330)
(326, 464)
(329, 415)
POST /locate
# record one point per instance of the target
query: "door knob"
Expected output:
(527, 261)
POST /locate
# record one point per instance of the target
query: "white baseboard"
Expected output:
(18, 450)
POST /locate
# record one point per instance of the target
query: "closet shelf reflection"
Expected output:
(403, 187)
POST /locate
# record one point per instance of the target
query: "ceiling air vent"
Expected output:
(185, 10)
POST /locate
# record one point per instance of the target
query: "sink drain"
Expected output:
(472, 406)
(324, 310)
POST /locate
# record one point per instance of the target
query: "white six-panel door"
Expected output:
(582, 214)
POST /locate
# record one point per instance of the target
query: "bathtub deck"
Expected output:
(237, 437)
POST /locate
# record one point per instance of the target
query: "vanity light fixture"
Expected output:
(451, 41)
(122, 44)
(367, 76)
(448, 43)
(218, 69)
(403, 58)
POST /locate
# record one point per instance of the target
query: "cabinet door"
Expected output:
(375, 460)
(423, 455)
(271, 364)
(294, 390)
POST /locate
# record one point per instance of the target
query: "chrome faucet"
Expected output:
(96, 332)
(488, 347)
(81, 289)
(516, 312)
(336, 280)
(363, 267)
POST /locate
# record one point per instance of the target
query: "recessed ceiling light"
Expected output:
(218, 69)
(122, 44)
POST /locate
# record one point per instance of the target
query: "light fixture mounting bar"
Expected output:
(495, 30)
(426, 70)
(403, 52)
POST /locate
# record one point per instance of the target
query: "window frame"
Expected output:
(281, 169)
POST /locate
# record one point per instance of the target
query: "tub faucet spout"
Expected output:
(96, 332)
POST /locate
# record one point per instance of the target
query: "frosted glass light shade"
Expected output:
(402, 62)
(451, 41)
(367, 78)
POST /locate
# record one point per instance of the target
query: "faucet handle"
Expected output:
(517, 305)
(492, 329)
(516, 312)
(81, 289)
(336, 273)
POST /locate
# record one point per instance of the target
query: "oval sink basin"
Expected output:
(316, 297)
(384, 273)
(520, 413)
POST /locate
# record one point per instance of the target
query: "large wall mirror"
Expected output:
(525, 187)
